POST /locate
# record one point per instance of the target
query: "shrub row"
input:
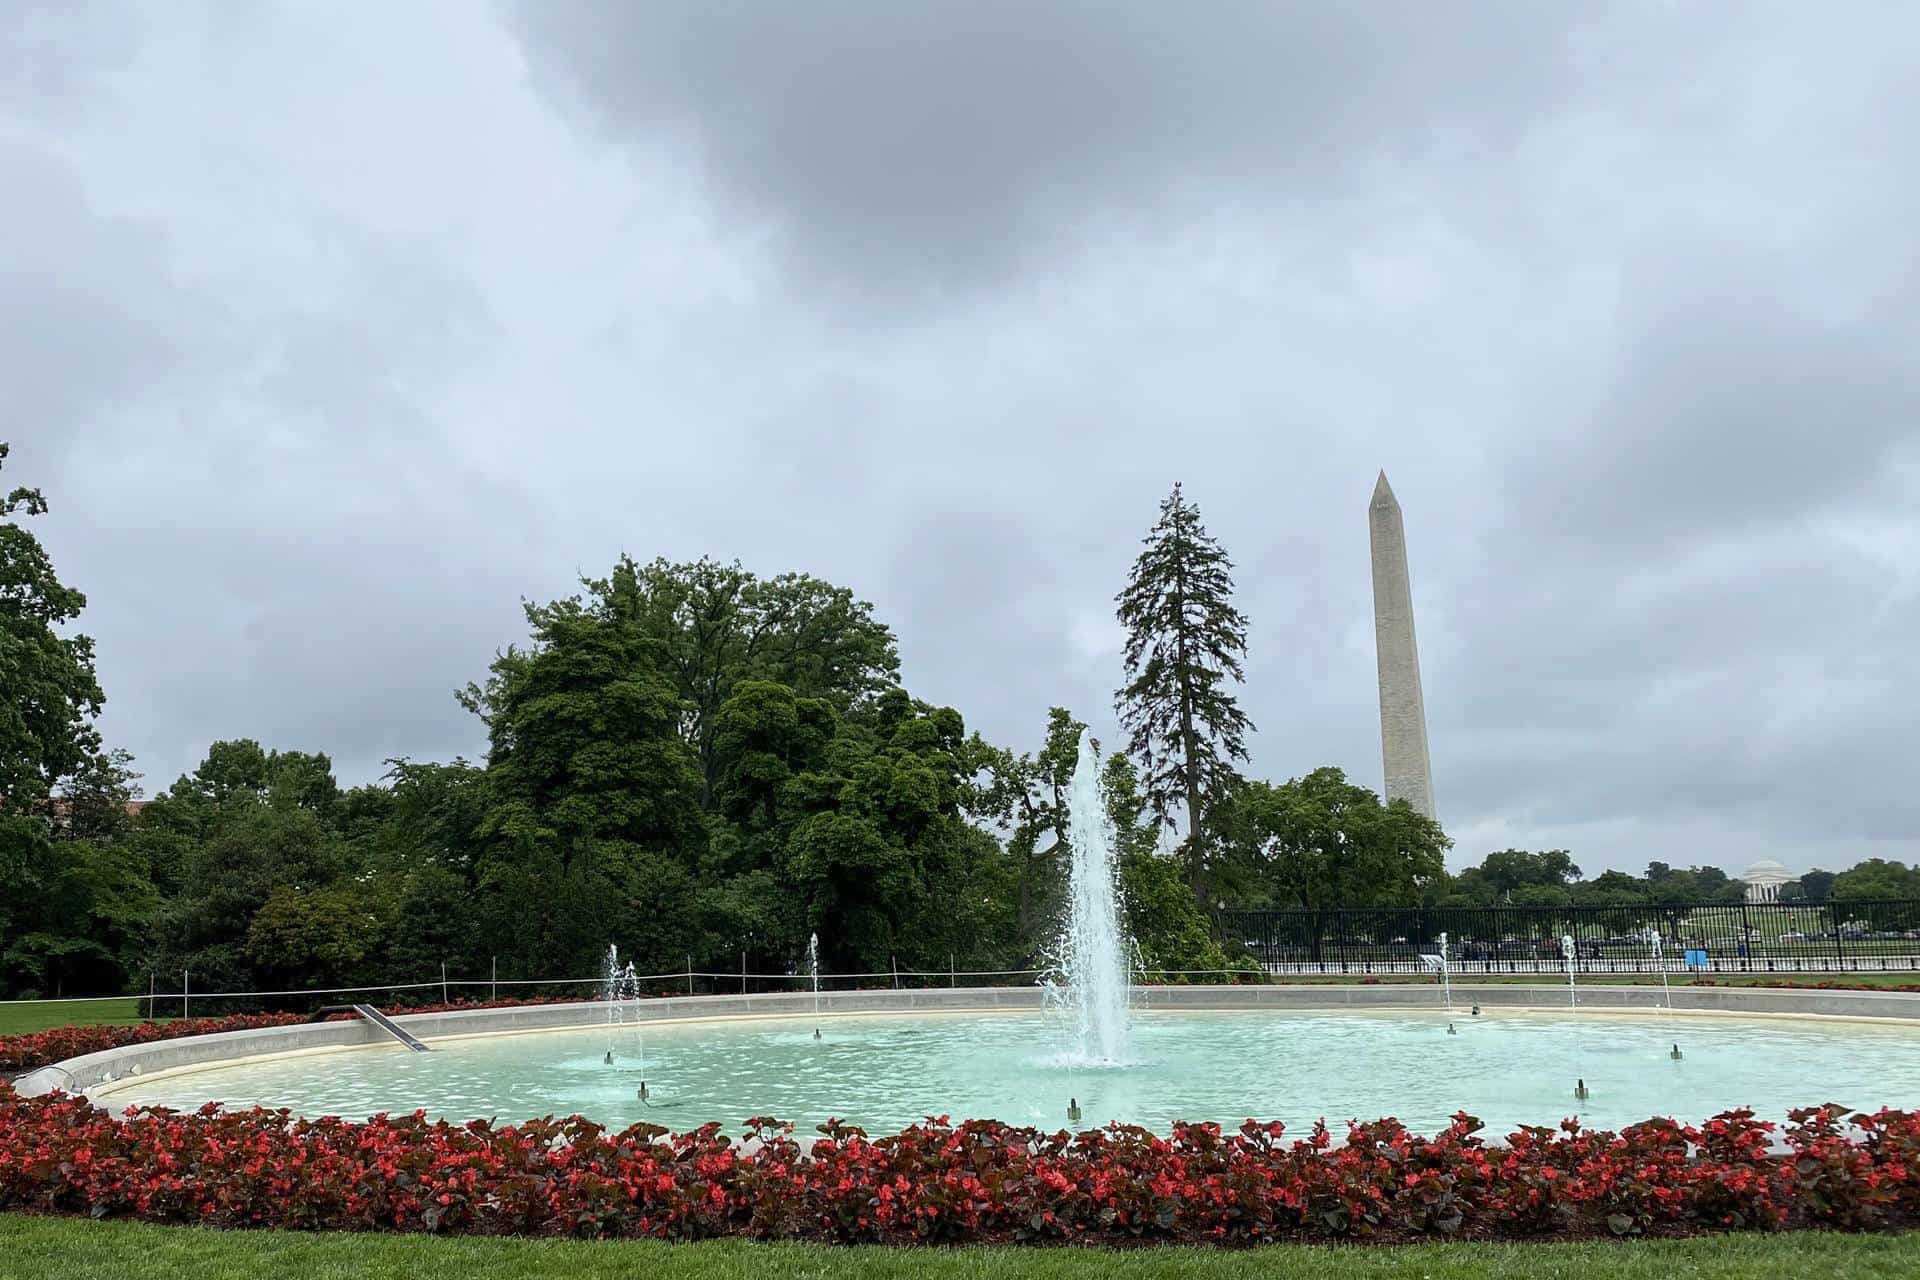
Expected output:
(938, 1182)
(41, 1048)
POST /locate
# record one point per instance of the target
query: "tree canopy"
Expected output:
(58, 906)
(708, 768)
(1185, 641)
(1319, 842)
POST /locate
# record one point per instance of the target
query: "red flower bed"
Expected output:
(39, 1049)
(979, 1181)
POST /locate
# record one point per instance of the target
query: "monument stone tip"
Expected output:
(1382, 491)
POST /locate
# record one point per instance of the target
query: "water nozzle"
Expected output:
(1676, 1055)
(816, 1033)
(1476, 1008)
(643, 1091)
(1451, 1031)
(609, 1057)
(1580, 1090)
(1073, 1110)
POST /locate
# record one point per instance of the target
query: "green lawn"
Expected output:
(16, 1019)
(69, 1249)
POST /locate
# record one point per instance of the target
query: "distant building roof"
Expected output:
(1766, 871)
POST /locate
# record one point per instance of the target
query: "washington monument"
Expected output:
(1403, 712)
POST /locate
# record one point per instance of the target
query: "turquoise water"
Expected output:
(887, 1071)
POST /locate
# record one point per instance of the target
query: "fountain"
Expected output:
(1093, 949)
(1660, 960)
(1568, 951)
(813, 968)
(1446, 980)
(622, 990)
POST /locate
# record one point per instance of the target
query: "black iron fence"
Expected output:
(1712, 937)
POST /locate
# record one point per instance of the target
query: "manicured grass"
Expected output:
(19, 1019)
(71, 1249)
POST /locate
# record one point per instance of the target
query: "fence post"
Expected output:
(186, 985)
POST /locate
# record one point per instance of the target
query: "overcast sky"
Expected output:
(331, 332)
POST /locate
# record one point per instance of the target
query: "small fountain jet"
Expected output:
(1660, 962)
(1073, 1110)
(813, 971)
(622, 994)
(1451, 1031)
(1676, 1055)
(1580, 1090)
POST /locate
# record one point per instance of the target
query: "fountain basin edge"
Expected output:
(96, 1074)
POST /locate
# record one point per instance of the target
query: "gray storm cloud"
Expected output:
(331, 336)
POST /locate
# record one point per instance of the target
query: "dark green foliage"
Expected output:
(700, 765)
(46, 721)
(1185, 641)
(713, 626)
(1171, 931)
(60, 907)
(1876, 878)
(1320, 842)
(1026, 797)
(593, 795)
(1172, 937)
(1516, 877)
(1814, 886)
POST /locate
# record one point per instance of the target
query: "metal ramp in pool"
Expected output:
(377, 1018)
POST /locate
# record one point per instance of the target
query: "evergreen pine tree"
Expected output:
(1184, 639)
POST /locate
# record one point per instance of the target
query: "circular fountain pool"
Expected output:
(883, 1071)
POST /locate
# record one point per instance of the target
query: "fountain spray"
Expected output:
(623, 990)
(1446, 981)
(813, 968)
(1567, 950)
(1093, 951)
(1660, 960)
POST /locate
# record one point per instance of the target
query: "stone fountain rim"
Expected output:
(100, 1074)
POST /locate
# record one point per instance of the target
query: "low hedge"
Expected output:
(24, 1053)
(944, 1183)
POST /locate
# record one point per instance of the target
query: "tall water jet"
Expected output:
(1568, 952)
(1094, 949)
